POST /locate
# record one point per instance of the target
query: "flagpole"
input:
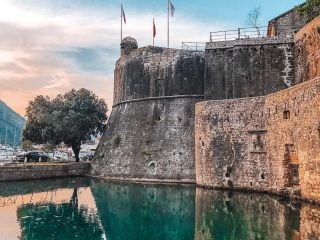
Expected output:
(153, 33)
(168, 32)
(121, 23)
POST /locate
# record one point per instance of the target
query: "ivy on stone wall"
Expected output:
(310, 10)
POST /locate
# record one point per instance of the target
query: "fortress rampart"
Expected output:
(240, 115)
(307, 51)
(261, 143)
(248, 67)
(150, 133)
(268, 143)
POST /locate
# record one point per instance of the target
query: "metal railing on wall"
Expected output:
(240, 33)
(193, 46)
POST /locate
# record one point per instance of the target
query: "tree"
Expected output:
(68, 220)
(253, 19)
(310, 10)
(27, 145)
(72, 118)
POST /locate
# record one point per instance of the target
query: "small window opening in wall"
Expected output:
(203, 141)
(180, 153)
(286, 114)
(251, 184)
(158, 119)
(228, 173)
(262, 176)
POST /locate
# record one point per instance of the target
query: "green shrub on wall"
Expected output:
(310, 10)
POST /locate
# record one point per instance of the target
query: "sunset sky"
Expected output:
(50, 46)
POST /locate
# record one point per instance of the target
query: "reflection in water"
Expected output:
(226, 215)
(94, 209)
(139, 211)
(59, 221)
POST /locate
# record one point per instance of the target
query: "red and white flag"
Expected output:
(123, 15)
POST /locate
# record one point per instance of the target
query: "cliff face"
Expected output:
(150, 133)
(11, 125)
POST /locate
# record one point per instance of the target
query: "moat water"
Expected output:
(81, 208)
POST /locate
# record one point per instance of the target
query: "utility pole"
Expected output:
(168, 26)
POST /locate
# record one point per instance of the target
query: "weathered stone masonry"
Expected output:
(150, 133)
(256, 143)
(307, 52)
(258, 133)
(266, 143)
(248, 67)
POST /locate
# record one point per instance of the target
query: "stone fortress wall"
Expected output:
(307, 52)
(150, 133)
(268, 143)
(248, 67)
(239, 115)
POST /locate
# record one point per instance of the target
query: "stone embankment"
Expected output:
(41, 171)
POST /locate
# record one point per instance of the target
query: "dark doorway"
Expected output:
(294, 179)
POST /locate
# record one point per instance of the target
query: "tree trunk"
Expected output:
(76, 151)
(74, 199)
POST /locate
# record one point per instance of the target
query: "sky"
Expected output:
(48, 47)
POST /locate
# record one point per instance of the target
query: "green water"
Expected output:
(81, 208)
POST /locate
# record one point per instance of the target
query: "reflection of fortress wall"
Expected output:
(150, 133)
(125, 210)
(222, 215)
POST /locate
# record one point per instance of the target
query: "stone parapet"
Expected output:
(43, 170)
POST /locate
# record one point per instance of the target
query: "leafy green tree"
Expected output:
(310, 10)
(72, 118)
(40, 127)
